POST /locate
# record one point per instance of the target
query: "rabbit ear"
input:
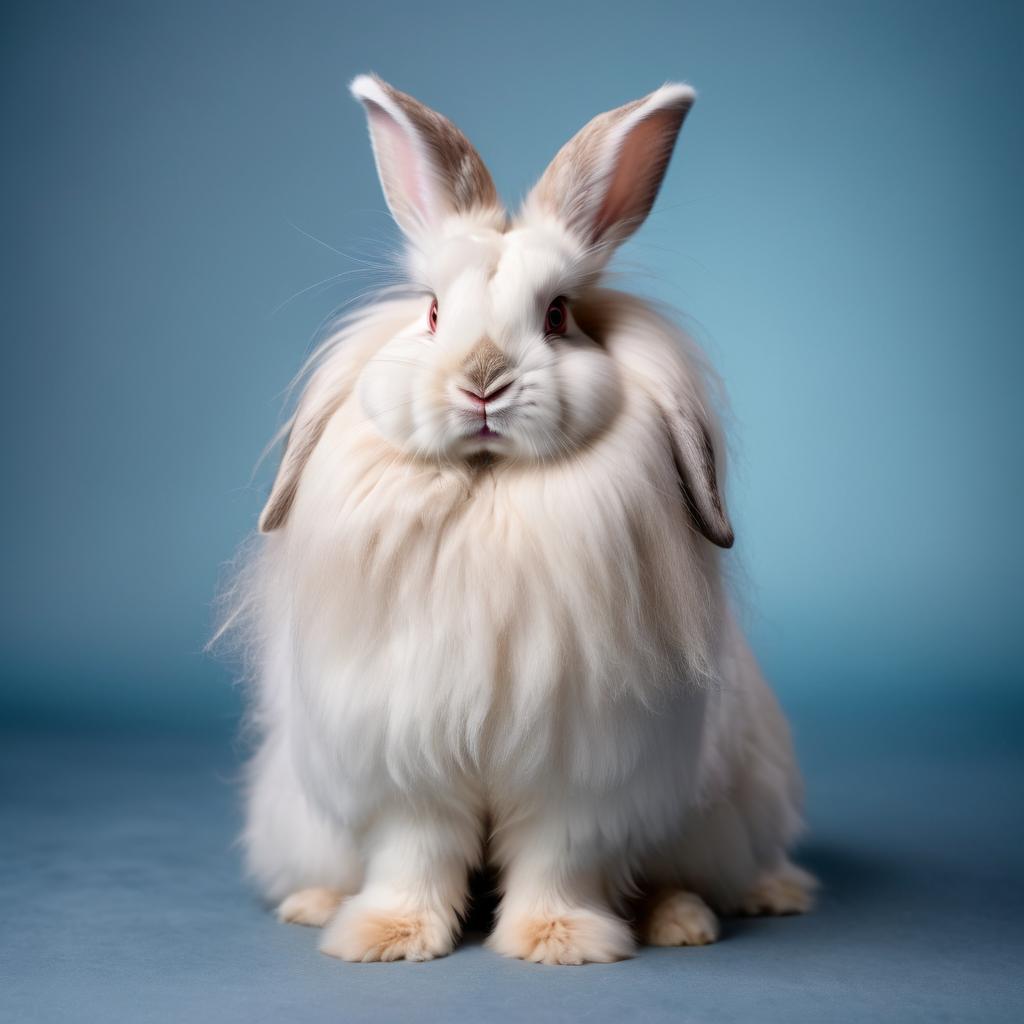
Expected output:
(428, 168)
(604, 180)
(694, 455)
(302, 439)
(327, 389)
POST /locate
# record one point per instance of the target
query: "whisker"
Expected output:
(327, 280)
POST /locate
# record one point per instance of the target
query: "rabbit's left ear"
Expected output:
(428, 169)
(694, 455)
(604, 180)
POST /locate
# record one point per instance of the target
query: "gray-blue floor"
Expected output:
(121, 898)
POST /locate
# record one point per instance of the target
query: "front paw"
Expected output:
(571, 936)
(364, 931)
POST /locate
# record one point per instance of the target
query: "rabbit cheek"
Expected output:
(590, 391)
(387, 407)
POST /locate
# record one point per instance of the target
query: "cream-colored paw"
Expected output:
(679, 918)
(575, 936)
(365, 933)
(314, 907)
(788, 890)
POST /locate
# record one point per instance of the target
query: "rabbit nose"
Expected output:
(479, 399)
(483, 367)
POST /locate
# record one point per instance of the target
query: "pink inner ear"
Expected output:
(399, 163)
(637, 171)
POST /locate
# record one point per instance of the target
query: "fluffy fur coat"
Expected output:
(487, 617)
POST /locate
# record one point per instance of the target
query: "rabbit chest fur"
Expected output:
(495, 629)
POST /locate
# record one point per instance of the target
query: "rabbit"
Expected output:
(486, 612)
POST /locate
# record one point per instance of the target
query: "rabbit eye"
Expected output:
(557, 317)
(432, 317)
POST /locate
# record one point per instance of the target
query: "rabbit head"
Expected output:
(505, 355)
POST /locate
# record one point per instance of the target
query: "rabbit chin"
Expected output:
(491, 442)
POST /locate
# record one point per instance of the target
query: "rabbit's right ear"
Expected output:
(428, 168)
(326, 390)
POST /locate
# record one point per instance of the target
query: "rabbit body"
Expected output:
(517, 654)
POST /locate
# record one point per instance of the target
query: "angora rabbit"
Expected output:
(487, 619)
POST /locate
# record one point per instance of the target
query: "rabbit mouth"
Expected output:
(485, 441)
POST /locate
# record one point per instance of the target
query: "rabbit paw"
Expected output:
(365, 932)
(788, 890)
(314, 907)
(575, 936)
(679, 918)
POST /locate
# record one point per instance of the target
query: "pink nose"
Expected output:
(481, 400)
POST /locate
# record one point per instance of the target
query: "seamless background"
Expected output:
(188, 194)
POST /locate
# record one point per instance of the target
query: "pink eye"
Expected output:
(432, 317)
(557, 317)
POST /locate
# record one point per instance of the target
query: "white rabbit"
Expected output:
(487, 620)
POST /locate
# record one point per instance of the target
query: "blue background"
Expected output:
(841, 225)
(187, 194)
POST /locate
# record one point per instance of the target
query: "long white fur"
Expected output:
(517, 648)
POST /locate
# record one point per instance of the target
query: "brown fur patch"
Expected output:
(567, 185)
(484, 365)
(790, 891)
(458, 164)
(393, 937)
(543, 930)
(313, 907)
(678, 918)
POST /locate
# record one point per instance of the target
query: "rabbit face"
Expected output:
(496, 362)
(511, 354)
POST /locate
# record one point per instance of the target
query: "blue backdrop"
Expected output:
(188, 193)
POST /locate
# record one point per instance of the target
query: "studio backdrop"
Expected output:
(189, 197)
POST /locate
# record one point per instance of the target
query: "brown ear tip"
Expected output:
(719, 533)
(270, 519)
